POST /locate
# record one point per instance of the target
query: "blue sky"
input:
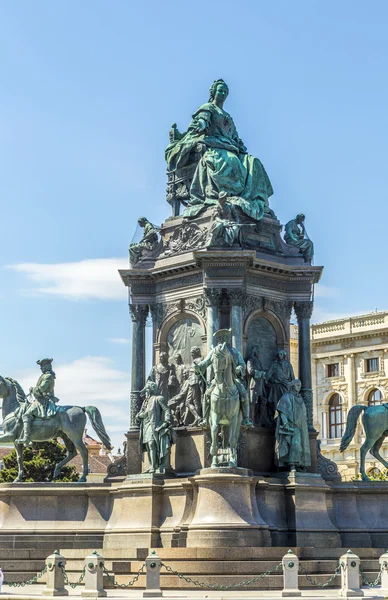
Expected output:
(89, 91)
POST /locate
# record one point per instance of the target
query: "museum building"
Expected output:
(349, 366)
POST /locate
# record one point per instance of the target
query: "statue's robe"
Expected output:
(225, 165)
(292, 448)
(152, 415)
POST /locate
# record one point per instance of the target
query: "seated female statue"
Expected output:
(225, 166)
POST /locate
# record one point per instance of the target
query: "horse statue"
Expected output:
(375, 422)
(226, 402)
(68, 424)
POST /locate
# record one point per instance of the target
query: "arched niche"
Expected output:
(265, 331)
(179, 334)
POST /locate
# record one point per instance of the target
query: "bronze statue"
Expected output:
(278, 377)
(44, 404)
(67, 423)
(292, 448)
(256, 386)
(224, 230)
(227, 397)
(148, 242)
(225, 164)
(295, 235)
(163, 374)
(186, 398)
(156, 432)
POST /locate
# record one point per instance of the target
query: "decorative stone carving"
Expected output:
(197, 305)
(304, 309)
(161, 311)
(236, 297)
(212, 296)
(139, 313)
(280, 308)
(326, 467)
(253, 303)
(118, 468)
(148, 246)
(188, 236)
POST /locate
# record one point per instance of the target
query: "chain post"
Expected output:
(94, 574)
(55, 585)
(290, 564)
(383, 560)
(153, 564)
(350, 576)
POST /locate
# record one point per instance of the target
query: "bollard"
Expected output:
(383, 560)
(94, 573)
(290, 564)
(55, 585)
(350, 575)
(153, 564)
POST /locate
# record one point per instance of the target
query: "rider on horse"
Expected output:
(223, 338)
(44, 404)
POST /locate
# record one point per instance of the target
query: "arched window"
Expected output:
(336, 417)
(374, 397)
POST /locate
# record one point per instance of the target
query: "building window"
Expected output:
(336, 417)
(372, 365)
(374, 397)
(333, 370)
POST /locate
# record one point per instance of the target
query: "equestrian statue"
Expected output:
(39, 420)
(226, 402)
(375, 422)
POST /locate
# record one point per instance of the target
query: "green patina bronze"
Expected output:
(226, 402)
(225, 165)
(295, 235)
(156, 432)
(148, 242)
(292, 447)
(375, 422)
(42, 420)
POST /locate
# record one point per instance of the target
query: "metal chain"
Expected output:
(321, 585)
(29, 582)
(66, 579)
(124, 585)
(220, 587)
(375, 583)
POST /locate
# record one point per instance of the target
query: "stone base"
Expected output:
(224, 510)
(216, 507)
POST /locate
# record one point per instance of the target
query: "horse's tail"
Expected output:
(98, 426)
(351, 423)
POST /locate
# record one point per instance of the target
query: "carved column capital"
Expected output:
(236, 297)
(212, 296)
(304, 309)
(139, 313)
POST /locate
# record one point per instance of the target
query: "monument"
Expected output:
(221, 282)
(221, 450)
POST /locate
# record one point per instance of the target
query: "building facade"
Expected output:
(349, 366)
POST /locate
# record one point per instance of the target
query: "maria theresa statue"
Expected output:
(225, 165)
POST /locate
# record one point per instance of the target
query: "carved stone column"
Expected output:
(213, 297)
(303, 312)
(237, 299)
(352, 382)
(139, 313)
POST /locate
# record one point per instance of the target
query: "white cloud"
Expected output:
(91, 380)
(93, 278)
(119, 340)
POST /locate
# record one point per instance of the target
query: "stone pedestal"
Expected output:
(224, 510)
(309, 512)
